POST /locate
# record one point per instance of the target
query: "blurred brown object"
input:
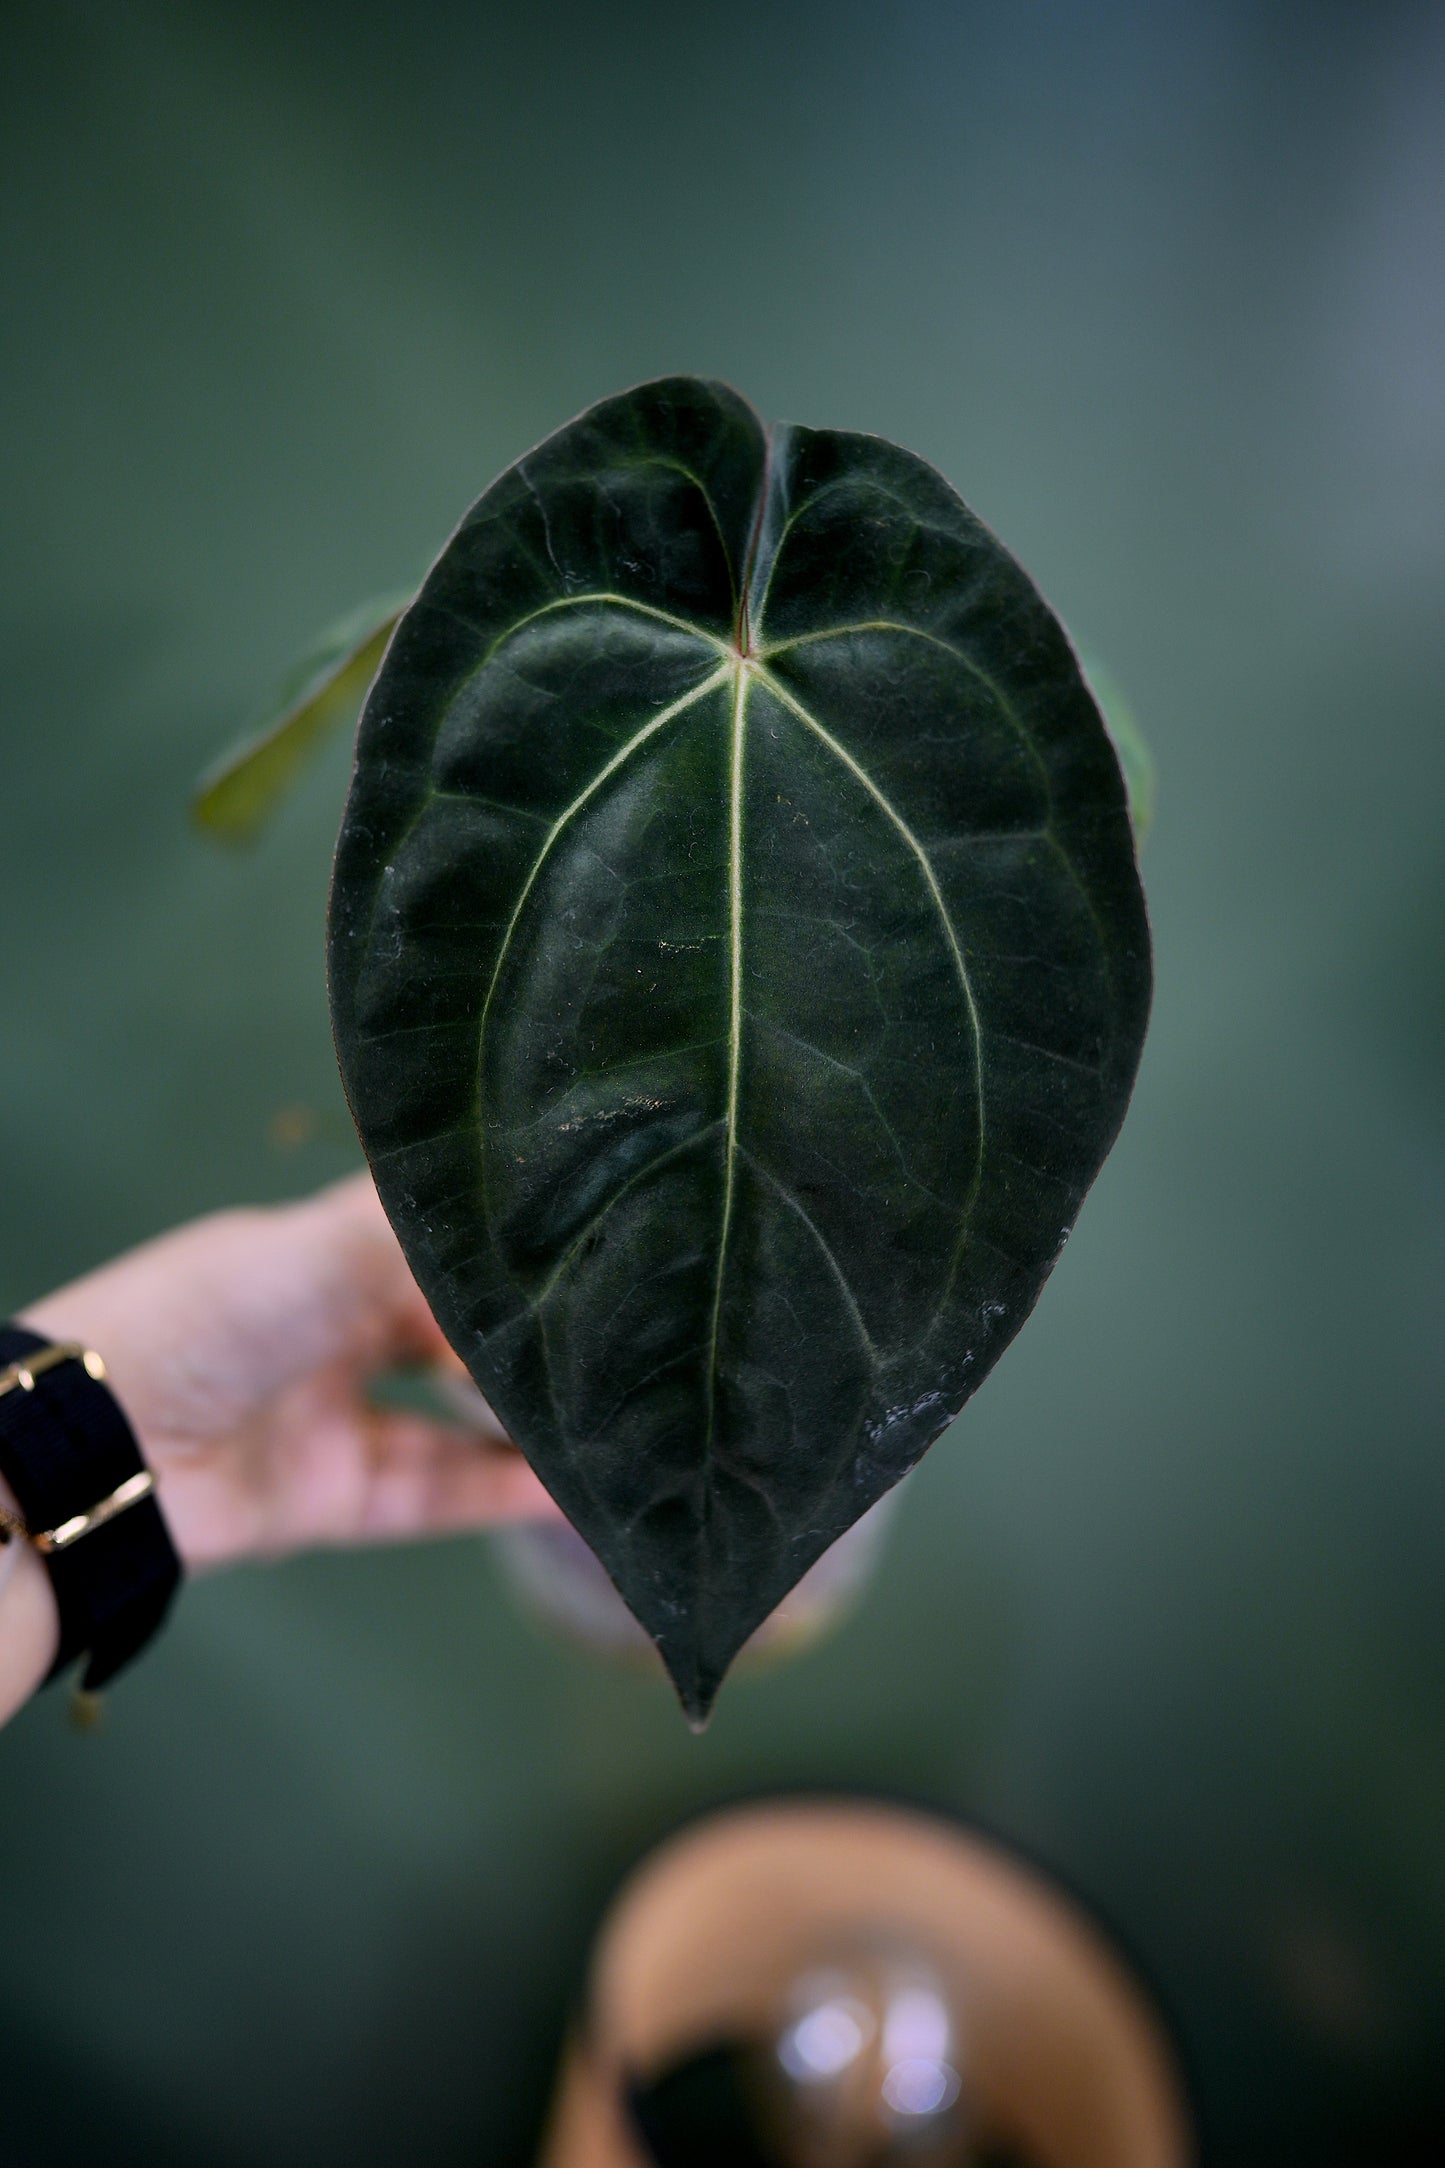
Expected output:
(1063, 2050)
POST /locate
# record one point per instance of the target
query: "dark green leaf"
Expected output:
(739, 969)
(323, 691)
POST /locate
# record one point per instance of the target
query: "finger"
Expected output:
(319, 1466)
(426, 1479)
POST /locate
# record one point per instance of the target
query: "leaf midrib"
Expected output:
(741, 669)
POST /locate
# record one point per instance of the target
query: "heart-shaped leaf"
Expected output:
(738, 969)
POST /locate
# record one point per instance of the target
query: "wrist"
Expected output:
(29, 1618)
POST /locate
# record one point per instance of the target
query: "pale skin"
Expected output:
(241, 1348)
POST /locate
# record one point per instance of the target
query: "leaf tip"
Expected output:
(215, 819)
(696, 1686)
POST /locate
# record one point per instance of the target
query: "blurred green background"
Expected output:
(1160, 289)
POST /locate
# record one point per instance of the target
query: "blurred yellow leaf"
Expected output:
(323, 691)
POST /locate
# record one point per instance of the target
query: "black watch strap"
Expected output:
(71, 1459)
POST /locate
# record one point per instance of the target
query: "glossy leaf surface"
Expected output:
(739, 970)
(318, 696)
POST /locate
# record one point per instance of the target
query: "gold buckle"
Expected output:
(21, 1377)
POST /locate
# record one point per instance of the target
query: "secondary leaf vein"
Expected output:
(567, 815)
(886, 806)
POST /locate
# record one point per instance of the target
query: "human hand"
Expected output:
(241, 1347)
